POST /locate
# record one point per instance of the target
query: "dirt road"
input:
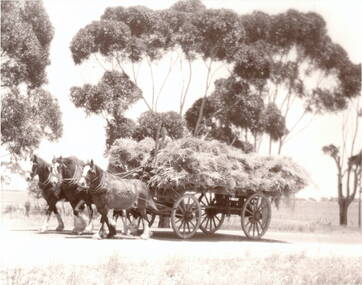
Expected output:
(28, 247)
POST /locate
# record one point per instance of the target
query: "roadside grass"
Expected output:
(306, 216)
(274, 269)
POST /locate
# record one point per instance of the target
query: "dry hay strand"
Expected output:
(195, 164)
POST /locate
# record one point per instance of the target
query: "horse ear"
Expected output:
(91, 163)
(35, 158)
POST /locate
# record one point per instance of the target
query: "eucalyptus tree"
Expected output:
(233, 112)
(305, 65)
(110, 98)
(125, 38)
(347, 157)
(28, 113)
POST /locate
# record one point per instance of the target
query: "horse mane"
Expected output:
(73, 159)
(41, 162)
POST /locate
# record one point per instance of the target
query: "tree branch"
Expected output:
(153, 85)
(204, 98)
(183, 98)
(99, 62)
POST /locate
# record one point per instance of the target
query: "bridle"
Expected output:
(100, 188)
(34, 172)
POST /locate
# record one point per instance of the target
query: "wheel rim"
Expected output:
(186, 216)
(256, 216)
(210, 221)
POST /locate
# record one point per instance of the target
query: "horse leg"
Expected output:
(60, 226)
(44, 228)
(146, 229)
(126, 229)
(111, 227)
(89, 227)
(100, 233)
(81, 218)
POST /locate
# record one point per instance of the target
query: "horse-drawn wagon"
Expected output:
(191, 210)
(197, 184)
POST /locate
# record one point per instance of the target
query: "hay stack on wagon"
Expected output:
(194, 164)
(126, 154)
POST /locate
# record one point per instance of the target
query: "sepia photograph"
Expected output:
(181, 142)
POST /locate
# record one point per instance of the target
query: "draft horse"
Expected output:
(111, 192)
(50, 189)
(69, 170)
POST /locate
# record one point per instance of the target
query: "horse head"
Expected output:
(68, 169)
(91, 174)
(40, 168)
(34, 168)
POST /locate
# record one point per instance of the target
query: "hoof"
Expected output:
(88, 230)
(146, 235)
(143, 236)
(97, 236)
(42, 230)
(59, 228)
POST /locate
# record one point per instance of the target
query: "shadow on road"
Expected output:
(171, 236)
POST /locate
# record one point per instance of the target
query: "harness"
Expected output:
(101, 187)
(76, 176)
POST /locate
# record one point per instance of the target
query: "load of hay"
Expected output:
(194, 164)
(126, 154)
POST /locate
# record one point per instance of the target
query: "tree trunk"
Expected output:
(343, 211)
(164, 222)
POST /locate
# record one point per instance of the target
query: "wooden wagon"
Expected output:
(206, 210)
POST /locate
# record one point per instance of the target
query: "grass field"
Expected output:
(307, 215)
(275, 269)
(297, 268)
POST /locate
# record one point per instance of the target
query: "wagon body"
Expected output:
(206, 210)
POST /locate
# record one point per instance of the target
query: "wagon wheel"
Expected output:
(186, 216)
(134, 218)
(211, 220)
(255, 216)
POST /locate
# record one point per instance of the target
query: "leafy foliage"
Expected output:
(273, 122)
(262, 50)
(26, 33)
(113, 94)
(232, 106)
(119, 127)
(149, 124)
(26, 119)
(29, 113)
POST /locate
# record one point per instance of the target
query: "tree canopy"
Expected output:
(148, 125)
(271, 56)
(28, 112)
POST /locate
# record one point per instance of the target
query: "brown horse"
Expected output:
(69, 169)
(111, 192)
(50, 190)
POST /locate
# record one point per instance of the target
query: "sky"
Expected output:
(84, 136)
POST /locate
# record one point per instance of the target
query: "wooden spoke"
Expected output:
(256, 216)
(213, 220)
(134, 218)
(186, 209)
